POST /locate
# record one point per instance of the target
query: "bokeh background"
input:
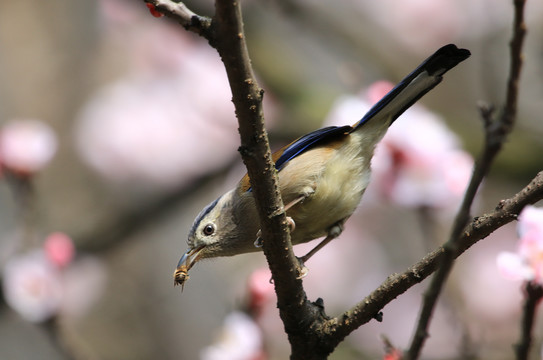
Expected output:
(146, 136)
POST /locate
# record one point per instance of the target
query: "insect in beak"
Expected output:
(181, 274)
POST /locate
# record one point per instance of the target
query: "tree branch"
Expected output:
(519, 33)
(533, 295)
(311, 333)
(395, 285)
(297, 313)
(254, 149)
(496, 133)
(187, 18)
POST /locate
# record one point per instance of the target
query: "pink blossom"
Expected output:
(393, 354)
(420, 24)
(118, 13)
(32, 286)
(40, 285)
(260, 289)
(59, 249)
(239, 339)
(417, 24)
(378, 90)
(168, 122)
(84, 282)
(479, 283)
(26, 146)
(168, 119)
(419, 162)
(527, 263)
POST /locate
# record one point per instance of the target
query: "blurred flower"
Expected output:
(419, 162)
(393, 354)
(40, 284)
(84, 282)
(59, 249)
(26, 146)
(261, 290)
(240, 339)
(156, 132)
(527, 263)
(118, 13)
(166, 123)
(477, 282)
(419, 24)
(32, 286)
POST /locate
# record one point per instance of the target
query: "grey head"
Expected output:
(225, 227)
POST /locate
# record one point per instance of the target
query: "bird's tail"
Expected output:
(423, 79)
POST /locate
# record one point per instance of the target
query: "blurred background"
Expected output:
(136, 133)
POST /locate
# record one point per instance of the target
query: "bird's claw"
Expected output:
(259, 242)
(291, 224)
(301, 269)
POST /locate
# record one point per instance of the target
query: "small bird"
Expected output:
(322, 177)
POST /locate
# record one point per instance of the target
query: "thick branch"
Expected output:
(479, 228)
(310, 334)
(225, 33)
(297, 313)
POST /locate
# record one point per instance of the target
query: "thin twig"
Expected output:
(51, 328)
(25, 198)
(395, 285)
(533, 295)
(519, 34)
(186, 17)
(496, 133)
(310, 334)
(450, 250)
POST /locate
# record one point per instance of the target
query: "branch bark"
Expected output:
(496, 133)
(311, 333)
(225, 33)
(395, 285)
(256, 154)
(533, 295)
(179, 12)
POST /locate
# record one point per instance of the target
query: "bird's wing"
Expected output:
(308, 141)
(424, 78)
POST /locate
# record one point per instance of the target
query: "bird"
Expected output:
(322, 177)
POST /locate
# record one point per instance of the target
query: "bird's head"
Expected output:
(216, 231)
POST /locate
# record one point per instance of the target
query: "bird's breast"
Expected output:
(338, 174)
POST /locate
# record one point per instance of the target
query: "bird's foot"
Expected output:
(259, 242)
(301, 269)
(291, 224)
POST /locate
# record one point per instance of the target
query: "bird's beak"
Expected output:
(181, 274)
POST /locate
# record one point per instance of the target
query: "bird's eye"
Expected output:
(209, 229)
